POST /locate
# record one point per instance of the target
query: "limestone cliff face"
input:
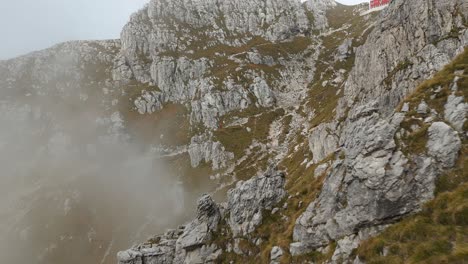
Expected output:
(375, 183)
(411, 41)
(219, 58)
(305, 117)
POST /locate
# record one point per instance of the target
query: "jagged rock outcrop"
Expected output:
(265, 96)
(366, 189)
(216, 59)
(319, 8)
(274, 20)
(443, 144)
(193, 242)
(249, 198)
(203, 149)
(275, 254)
(213, 105)
(408, 44)
(455, 111)
(344, 50)
(187, 244)
(149, 102)
(375, 183)
(323, 141)
(177, 46)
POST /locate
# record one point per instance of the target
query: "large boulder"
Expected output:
(203, 149)
(323, 141)
(443, 144)
(373, 185)
(188, 244)
(247, 201)
(455, 111)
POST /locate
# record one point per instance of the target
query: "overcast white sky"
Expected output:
(351, 2)
(28, 25)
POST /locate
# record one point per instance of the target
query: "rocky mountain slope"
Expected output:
(313, 127)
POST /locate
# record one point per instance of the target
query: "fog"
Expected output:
(74, 188)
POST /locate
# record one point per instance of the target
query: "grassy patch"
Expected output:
(236, 139)
(434, 92)
(441, 82)
(414, 142)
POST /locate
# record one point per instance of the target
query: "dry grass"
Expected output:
(236, 139)
(442, 80)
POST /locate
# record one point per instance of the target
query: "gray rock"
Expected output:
(372, 184)
(153, 33)
(344, 248)
(247, 201)
(191, 243)
(423, 108)
(198, 232)
(402, 36)
(369, 187)
(323, 141)
(202, 148)
(375, 183)
(160, 254)
(128, 255)
(405, 108)
(276, 254)
(321, 169)
(443, 144)
(149, 102)
(298, 248)
(237, 249)
(455, 111)
(319, 9)
(186, 245)
(205, 254)
(262, 91)
(344, 50)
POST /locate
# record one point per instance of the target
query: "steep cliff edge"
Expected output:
(445, 216)
(375, 172)
(375, 183)
(318, 126)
